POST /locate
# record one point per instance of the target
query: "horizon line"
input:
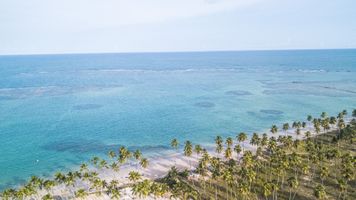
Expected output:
(190, 51)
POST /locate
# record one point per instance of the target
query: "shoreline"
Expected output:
(159, 165)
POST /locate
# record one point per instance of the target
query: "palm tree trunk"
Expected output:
(227, 192)
(295, 192)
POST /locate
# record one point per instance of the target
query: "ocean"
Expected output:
(57, 111)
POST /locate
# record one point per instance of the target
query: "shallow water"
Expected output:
(59, 110)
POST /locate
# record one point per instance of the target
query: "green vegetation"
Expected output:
(318, 167)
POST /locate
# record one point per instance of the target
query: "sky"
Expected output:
(93, 26)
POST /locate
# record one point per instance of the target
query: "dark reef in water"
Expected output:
(13, 183)
(314, 92)
(205, 104)
(76, 146)
(272, 112)
(238, 92)
(266, 114)
(79, 146)
(6, 98)
(48, 91)
(87, 106)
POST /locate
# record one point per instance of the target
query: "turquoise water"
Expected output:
(59, 110)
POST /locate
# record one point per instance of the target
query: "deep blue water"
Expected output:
(59, 110)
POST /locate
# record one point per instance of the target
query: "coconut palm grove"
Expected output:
(315, 163)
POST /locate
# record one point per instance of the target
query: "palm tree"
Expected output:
(188, 150)
(243, 190)
(264, 140)
(198, 149)
(8, 194)
(81, 194)
(142, 189)
(340, 115)
(325, 124)
(115, 166)
(299, 124)
(275, 188)
(309, 118)
(323, 115)
(255, 139)
(274, 129)
(94, 174)
(259, 152)
(59, 177)
(70, 179)
(218, 142)
(305, 169)
(95, 160)
(86, 176)
(83, 167)
(205, 157)
(137, 154)
(111, 154)
(26, 191)
(48, 184)
(228, 179)
(285, 127)
(115, 193)
(295, 124)
(134, 176)
(158, 189)
(237, 149)
(316, 123)
(324, 172)
(229, 141)
(47, 197)
(144, 162)
(332, 120)
(98, 185)
(344, 112)
(319, 192)
(272, 144)
(354, 113)
(297, 132)
(341, 124)
(174, 143)
(124, 154)
(228, 153)
(304, 124)
(113, 184)
(36, 182)
(267, 190)
(307, 134)
(342, 185)
(241, 137)
(293, 185)
(103, 164)
(347, 167)
(113, 189)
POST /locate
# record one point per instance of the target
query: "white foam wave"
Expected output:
(164, 70)
(311, 70)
